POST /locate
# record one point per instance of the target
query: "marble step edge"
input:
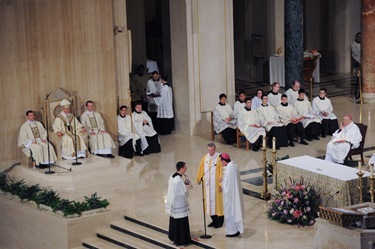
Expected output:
(98, 243)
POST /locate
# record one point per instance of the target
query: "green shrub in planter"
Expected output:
(94, 202)
(29, 193)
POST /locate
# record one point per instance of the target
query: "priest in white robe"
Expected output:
(233, 198)
(143, 127)
(322, 106)
(346, 138)
(100, 141)
(239, 104)
(71, 131)
(269, 119)
(274, 97)
(177, 206)
(292, 92)
(153, 90)
(292, 120)
(165, 107)
(256, 102)
(310, 121)
(224, 120)
(33, 141)
(128, 141)
(356, 49)
(209, 173)
(249, 125)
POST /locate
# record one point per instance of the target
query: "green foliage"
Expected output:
(16, 187)
(29, 193)
(95, 202)
(4, 186)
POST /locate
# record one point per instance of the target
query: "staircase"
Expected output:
(131, 233)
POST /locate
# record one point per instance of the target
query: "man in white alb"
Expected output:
(71, 131)
(224, 120)
(274, 97)
(346, 138)
(33, 141)
(239, 104)
(292, 92)
(256, 102)
(165, 113)
(100, 141)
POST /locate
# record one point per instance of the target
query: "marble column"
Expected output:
(293, 42)
(368, 50)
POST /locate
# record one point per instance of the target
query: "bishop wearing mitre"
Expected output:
(71, 131)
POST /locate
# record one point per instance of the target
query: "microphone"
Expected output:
(331, 197)
(213, 166)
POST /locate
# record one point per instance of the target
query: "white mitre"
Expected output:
(65, 103)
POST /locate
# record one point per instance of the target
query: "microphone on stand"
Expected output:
(329, 198)
(75, 142)
(49, 172)
(205, 235)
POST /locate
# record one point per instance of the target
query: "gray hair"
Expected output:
(211, 145)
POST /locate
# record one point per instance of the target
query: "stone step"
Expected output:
(98, 243)
(124, 240)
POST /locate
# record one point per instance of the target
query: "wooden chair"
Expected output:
(359, 150)
(239, 136)
(213, 133)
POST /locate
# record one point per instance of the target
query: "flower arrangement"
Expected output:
(295, 204)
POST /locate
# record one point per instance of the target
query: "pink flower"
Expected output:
(285, 211)
(312, 222)
(298, 187)
(296, 200)
(303, 187)
(297, 213)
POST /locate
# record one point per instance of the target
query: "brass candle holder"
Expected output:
(274, 169)
(372, 181)
(360, 186)
(265, 195)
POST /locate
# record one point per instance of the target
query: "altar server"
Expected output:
(240, 103)
(33, 141)
(256, 102)
(233, 198)
(100, 141)
(165, 107)
(71, 131)
(323, 108)
(346, 138)
(292, 92)
(274, 97)
(177, 206)
(249, 125)
(224, 120)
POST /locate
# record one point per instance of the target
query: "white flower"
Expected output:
(291, 211)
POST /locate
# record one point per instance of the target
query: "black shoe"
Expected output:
(309, 139)
(42, 166)
(140, 154)
(101, 155)
(278, 148)
(303, 142)
(316, 138)
(233, 235)
(110, 156)
(212, 224)
(255, 148)
(218, 226)
(323, 136)
(291, 144)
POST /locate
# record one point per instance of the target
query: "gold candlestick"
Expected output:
(265, 195)
(372, 181)
(274, 169)
(360, 186)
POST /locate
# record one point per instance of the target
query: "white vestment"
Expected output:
(319, 106)
(293, 96)
(245, 120)
(177, 205)
(210, 182)
(165, 102)
(221, 112)
(33, 131)
(238, 106)
(125, 131)
(336, 152)
(356, 51)
(269, 114)
(255, 103)
(303, 108)
(274, 99)
(286, 113)
(68, 124)
(101, 142)
(153, 88)
(141, 129)
(233, 199)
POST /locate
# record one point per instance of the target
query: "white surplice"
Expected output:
(100, 142)
(124, 131)
(255, 103)
(33, 131)
(303, 108)
(293, 96)
(274, 99)
(221, 112)
(238, 106)
(141, 129)
(269, 114)
(233, 199)
(165, 102)
(323, 105)
(286, 113)
(177, 205)
(153, 88)
(245, 120)
(336, 152)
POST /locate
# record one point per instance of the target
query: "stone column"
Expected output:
(293, 42)
(368, 50)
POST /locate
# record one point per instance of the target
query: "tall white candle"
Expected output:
(264, 142)
(372, 169)
(274, 143)
(360, 165)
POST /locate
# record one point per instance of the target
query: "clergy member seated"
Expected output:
(347, 137)
(292, 120)
(127, 140)
(269, 119)
(249, 125)
(100, 141)
(274, 97)
(143, 127)
(323, 107)
(256, 102)
(33, 141)
(240, 103)
(224, 120)
(292, 92)
(71, 131)
(310, 121)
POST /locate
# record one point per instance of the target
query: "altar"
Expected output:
(277, 67)
(326, 177)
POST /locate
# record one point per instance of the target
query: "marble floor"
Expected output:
(141, 185)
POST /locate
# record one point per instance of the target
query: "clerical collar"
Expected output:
(274, 93)
(138, 112)
(166, 84)
(286, 104)
(241, 101)
(322, 98)
(300, 99)
(31, 122)
(247, 109)
(155, 80)
(123, 116)
(176, 174)
(221, 104)
(264, 105)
